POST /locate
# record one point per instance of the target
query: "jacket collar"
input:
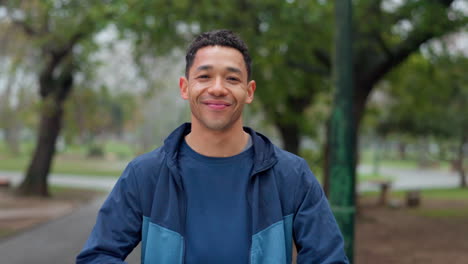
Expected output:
(264, 153)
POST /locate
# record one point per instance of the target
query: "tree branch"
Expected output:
(26, 28)
(323, 57)
(400, 52)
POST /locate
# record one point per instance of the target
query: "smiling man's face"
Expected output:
(217, 88)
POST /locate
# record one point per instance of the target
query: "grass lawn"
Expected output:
(435, 203)
(450, 194)
(73, 160)
(367, 158)
(95, 167)
(372, 177)
(405, 164)
(443, 213)
(456, 195)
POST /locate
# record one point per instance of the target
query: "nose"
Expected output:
(217, 89)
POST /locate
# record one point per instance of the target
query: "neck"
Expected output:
(211, 143)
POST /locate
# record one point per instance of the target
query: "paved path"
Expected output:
(59, 241)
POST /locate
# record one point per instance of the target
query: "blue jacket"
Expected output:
(148, 204)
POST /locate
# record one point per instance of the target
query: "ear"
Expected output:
(183, 86)
(251, 86)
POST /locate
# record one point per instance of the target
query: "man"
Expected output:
(216, 192)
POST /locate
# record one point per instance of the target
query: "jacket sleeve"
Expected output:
(316, 234)
(118, 225)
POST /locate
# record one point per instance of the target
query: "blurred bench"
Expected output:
(4, 183)
(413, 198)
(384, 187)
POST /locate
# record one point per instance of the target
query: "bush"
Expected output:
(95, 151)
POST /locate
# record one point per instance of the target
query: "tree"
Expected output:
(431, 101)
(97, 112)
(389, 35)
(61, 33)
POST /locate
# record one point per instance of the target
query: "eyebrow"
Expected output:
(204, 67)
(235, 70)
(209, 67)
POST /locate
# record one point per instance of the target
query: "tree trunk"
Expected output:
(290, 135)
(35, 182)
(54, 90)
(461, 155)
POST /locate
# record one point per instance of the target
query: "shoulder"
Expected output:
(294, 180)
(286, 156)
(293, 171)
(289, 162)
(146, 164)
(148, 159)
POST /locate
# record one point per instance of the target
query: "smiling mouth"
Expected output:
(217, 106)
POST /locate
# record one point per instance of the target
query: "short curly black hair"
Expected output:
(220, 37)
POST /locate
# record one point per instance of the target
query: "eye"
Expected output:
(233, 79)
(203, 76)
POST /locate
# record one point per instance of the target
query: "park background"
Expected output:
(85, 86)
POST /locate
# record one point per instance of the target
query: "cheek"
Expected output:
(243, 95)
(198, 88)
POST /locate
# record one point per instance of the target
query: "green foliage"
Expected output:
(428, 97)
(95, 151)
(91, 112)
(314, 160)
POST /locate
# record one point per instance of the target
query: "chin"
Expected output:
(216, 124)
(218, 127)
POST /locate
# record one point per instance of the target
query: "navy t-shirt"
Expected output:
(218, 222)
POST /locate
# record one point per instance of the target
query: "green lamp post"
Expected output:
(342, 145)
